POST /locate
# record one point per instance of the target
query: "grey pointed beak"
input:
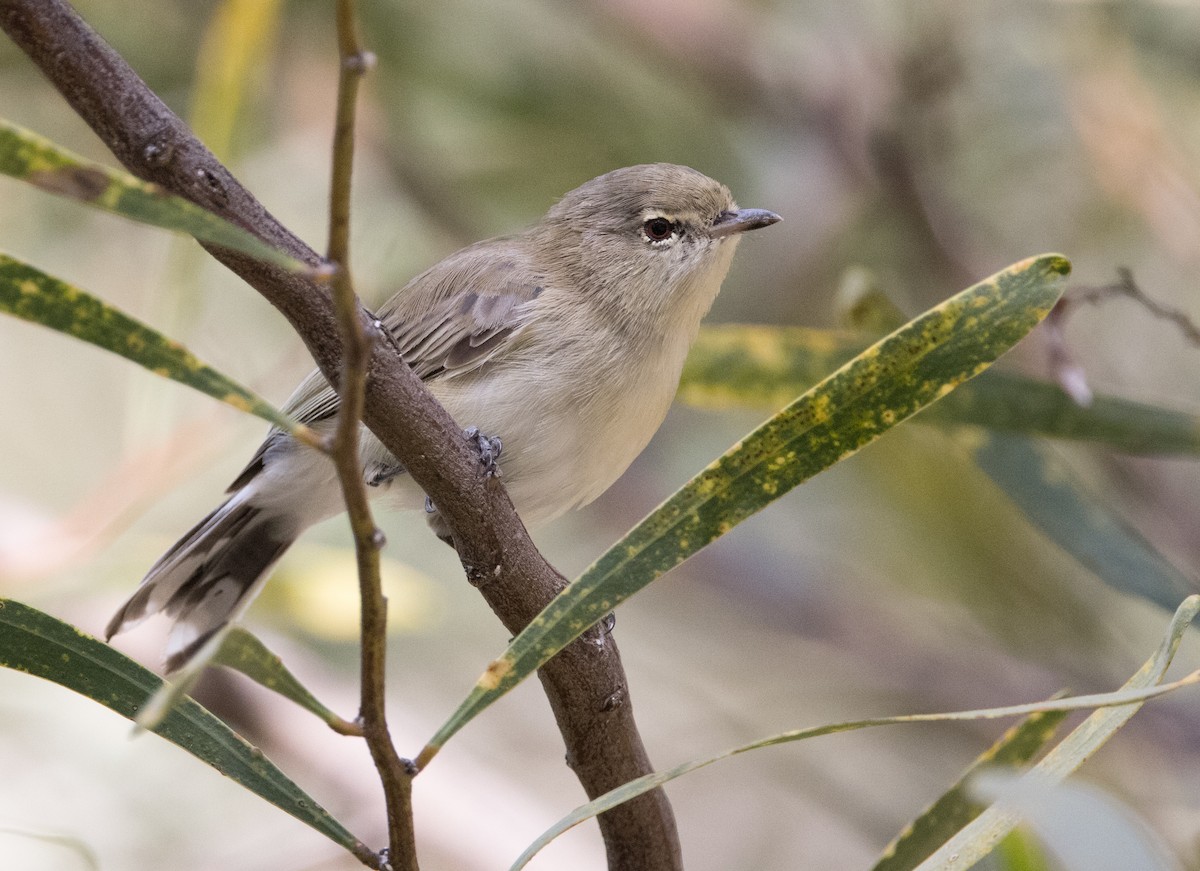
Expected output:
(728, 223)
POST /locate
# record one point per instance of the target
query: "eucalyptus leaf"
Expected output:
(887, 383)
(39, 645)
(243, 652)
(45, 165)
(753, 366)
(1055, 499)
(32, 295)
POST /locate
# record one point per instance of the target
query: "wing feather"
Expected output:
(450, 320)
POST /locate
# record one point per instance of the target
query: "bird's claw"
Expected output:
(489, 448)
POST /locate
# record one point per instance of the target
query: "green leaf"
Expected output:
(1059, 503)
(955, 808)
(980, 836)
(760, 366)
(39, 645)
(243, 652)
(893, 379)
(1113, 704)
(32, 158)
(739, 365)
(34, 296)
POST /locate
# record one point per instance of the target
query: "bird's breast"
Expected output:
(572, 413)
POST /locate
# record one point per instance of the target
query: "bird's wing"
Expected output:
(450, 320)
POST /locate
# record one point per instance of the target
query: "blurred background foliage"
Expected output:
(930, 142)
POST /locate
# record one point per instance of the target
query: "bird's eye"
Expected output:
(658, 229)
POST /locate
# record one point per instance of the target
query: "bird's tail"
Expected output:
(209, 576)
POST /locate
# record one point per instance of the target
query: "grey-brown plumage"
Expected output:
(566, 341)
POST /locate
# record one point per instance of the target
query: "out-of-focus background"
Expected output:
(931, 142)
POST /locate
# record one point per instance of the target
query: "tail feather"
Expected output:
(208, 577)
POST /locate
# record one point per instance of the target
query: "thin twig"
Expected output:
(1065, 369)
(1126, 286)
(394, 773)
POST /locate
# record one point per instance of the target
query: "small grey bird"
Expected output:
(565, 341)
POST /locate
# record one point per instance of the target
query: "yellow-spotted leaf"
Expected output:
(751, 366)
(1111, 711)
(760, 366)
(32, 158)
(39, 645)
(890, 381)
(34, 296)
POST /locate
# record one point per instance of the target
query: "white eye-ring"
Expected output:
(659, 230)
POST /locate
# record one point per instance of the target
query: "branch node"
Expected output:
(360, 62)
(477, 576)
(325, 272)
(158, 152)
(614, 701)
(213, 186)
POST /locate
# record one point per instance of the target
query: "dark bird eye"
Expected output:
(658, 229)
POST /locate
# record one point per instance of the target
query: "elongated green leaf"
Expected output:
(980, 836)
(955, 808)
(1113, 705)
(243, 652)
(1054, 498)
(740, 365)
(759, 366)
(887, 383)
(27, 156)
(34, 296)
(37, 644)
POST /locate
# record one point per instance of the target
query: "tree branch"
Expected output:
(585, 683)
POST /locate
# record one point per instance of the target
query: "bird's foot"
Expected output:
(489, 448)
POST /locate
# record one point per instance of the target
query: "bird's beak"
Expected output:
(728, 223)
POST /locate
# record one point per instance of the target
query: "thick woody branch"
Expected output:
(585, 683)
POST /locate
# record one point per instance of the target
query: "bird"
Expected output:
(561, 346)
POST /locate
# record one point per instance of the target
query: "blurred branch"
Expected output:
(585, 683)
(395, 774)
(1126, 286)
(1069, 374)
